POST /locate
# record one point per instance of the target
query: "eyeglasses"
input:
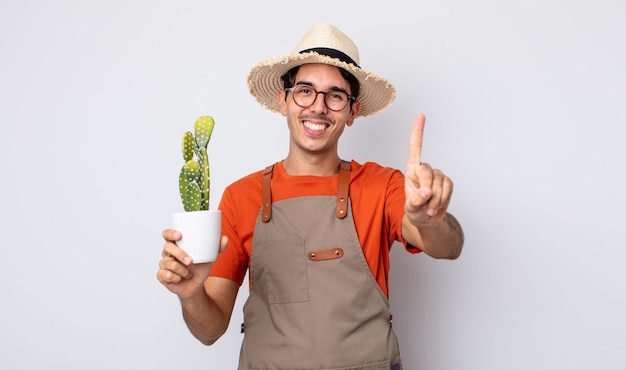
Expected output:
(304, 96)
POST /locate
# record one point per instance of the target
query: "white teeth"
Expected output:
(314, 126)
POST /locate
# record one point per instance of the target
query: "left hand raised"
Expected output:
(427, 190)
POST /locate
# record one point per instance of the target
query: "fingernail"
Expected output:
(187, 260)
(431, 211)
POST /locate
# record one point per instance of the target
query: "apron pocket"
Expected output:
(285, 270)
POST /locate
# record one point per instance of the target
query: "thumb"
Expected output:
(419, 197)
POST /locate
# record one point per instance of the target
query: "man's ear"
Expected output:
(281, 102)
(356, 108)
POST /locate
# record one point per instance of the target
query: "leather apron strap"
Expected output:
(267, 193)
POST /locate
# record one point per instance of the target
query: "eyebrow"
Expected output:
(332, 88)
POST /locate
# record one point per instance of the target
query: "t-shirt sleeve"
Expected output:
(233, 262)
(395, 201)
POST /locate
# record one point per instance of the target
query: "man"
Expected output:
(314, 230)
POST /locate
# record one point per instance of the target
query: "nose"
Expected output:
(319, 105)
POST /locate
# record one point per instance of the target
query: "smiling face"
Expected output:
(315, 130)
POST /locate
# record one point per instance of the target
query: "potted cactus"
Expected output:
(200, 226)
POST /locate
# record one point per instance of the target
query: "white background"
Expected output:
(525, 112)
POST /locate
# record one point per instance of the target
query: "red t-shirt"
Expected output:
(376, 194)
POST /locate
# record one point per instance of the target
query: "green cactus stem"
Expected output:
(194, 179)
(188, 146)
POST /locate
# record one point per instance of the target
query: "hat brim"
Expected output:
(264, 81)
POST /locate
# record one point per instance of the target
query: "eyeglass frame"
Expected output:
(351, 99)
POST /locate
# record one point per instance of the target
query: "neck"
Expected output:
(312, 166)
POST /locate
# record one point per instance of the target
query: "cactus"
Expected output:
(194, 180)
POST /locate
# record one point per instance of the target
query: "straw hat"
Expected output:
(323, 43)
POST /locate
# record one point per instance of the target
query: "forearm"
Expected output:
(206, 321)
(443, 240)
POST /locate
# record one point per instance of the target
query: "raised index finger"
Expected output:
(415, 145)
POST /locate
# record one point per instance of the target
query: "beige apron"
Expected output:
(314, 303)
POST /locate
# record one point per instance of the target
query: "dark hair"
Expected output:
(289, 79)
